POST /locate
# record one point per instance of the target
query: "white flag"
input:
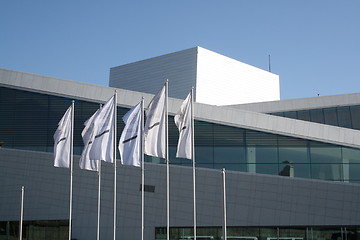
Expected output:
(155, 126)
(103, 139)
(87, 133)
(98, 137)
(183, 122)
(130, 140)
(62, 141)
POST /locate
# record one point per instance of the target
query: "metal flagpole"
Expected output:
(99, 197)
(167, 163)
(71, 166)
(224, 204)
(115, 112)
(193, 157)
(142, 170)
(21, 213)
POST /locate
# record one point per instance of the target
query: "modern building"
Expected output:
(217, 79)
(292, 168)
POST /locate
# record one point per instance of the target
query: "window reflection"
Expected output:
(332, 172)
(216, 146)
(261, 233)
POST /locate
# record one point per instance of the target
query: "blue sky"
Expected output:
(314, 44)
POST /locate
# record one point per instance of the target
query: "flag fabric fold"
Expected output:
(130, 140)
(62, 141)
(183, 121)
(87, 133)
(98, 137)
(155, 126)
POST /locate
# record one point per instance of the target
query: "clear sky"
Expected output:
(314, 44)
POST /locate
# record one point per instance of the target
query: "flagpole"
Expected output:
(99, 197)
(224, 204)
(167, 163)
(115, 112)
(193, 157)
(21, 213)
(142, 171)
(71, 166)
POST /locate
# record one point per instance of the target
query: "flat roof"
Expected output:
(301, 103)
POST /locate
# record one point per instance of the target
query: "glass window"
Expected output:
(229, 155)
(331, 172)
(317, 115)
(280, 114)
(344, 117)
(292, 233)
(330, 116)
(295, 170)
(293, 155)
(351, 155)
(354, 170)
(325, 153)
(264, 168)
(291, 114)
(304, 115)
(204, 155)
(325, 233)
(355, 117)
(266, 154)
(231, 166)
(268, 233)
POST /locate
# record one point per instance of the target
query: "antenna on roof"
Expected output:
(269, 63)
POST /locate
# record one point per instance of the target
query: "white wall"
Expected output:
(221, 80)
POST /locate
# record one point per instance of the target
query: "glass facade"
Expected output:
(29, 120)
(262, 233)
(342, 116)
(35, 230)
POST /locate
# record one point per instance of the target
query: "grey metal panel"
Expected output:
(150, 75)
(252, 199)
(301, 103)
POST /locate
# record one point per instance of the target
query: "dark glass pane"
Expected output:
(204, 155)
(266, 155)
(280, 114)
(355, 117)
(325, 153)
(268, 233)
(317, 115)
(255, 138)
(263, 168)
(354, 172)
(231, 166)
(229, 155)
(326, 233)
(203, 134)
(293, 155)
(304, 115)
(332, 172)
(295, 170)
(344, 117)
(292, 233)
(330, 116)
(351, 155)
(292, 114)
(227, 136)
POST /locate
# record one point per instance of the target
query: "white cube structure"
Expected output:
(217, 79)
